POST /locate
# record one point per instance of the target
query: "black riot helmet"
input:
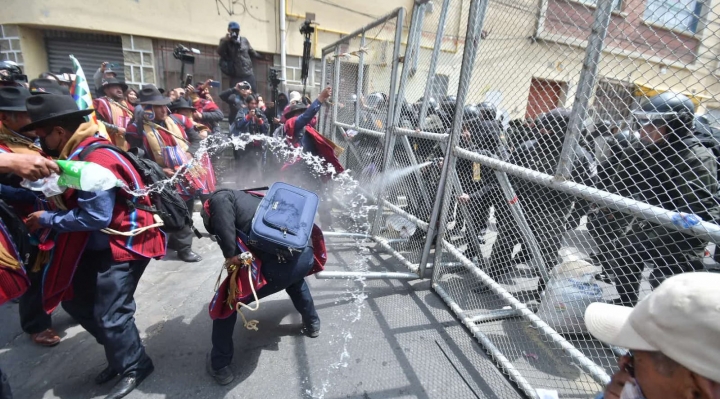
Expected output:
(670, 109)
(376, 100)
(555, 122)
(471, 113)
(11, 74)
(447, 105)
(488, 111)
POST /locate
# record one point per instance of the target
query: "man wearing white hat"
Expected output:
(673, 336)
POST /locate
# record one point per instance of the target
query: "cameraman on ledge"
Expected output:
(235, 54)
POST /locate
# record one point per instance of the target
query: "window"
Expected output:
(681, 15)
(617, 4)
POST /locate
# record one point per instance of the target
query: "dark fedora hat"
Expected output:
(150, 95)
(12, 99)
(47, 86)
(114, 82)
(295, 109)
(46, 109)
(181, 103)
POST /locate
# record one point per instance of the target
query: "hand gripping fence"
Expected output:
(532, 157)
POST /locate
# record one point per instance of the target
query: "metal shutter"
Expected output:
(90, 49)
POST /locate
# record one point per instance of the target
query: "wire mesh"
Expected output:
(584, 167)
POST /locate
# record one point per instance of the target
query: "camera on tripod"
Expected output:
(184, 54)
(274, 77)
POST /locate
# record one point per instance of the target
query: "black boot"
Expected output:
(129, 382)
(312, 328)
(106, 375)
(187, 255)
(222, 376)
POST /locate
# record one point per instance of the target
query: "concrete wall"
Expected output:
(198, 21)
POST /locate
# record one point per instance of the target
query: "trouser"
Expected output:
(629, 255)
(279, 276)
(5, 391)
(548, 233)
(248, 166)
(33, 318)
(182, 239)
(104, 305)
(235, 80)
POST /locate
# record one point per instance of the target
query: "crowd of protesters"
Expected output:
(86, 251)
(663, 159)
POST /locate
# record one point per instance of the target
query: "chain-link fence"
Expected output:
(547, 154)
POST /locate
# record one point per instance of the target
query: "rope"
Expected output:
(135, 232)
(247, 258)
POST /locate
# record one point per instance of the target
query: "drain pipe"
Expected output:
(283, 45)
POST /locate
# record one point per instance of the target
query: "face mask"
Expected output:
(148, 113)
(53, 153)
(631, 391)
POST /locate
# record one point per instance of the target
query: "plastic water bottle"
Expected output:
(685, 220)
(48, 186)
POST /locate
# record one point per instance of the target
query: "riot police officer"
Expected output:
(668, 168)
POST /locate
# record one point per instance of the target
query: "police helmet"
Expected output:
(555, 121)
(352, 99)
(471, 113)
(10, 72)
(488, 111)
(448, 103)
(670, 109)
(376, 100)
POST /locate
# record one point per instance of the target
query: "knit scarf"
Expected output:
(168, 145)
(121, 116)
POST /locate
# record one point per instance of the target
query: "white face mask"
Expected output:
(631, 391)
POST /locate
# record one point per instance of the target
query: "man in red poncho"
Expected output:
(299, 132)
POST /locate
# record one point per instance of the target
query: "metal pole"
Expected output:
(323, 112)
(659, 216)
(495, 315)
(283, 44)
(360, 77)
(332, 275)
(476, 19)
(336, 87)
(505, 364)
(381, 21)
(382, 242)
(596, 372)
(586, 84)
(433, 63)
(389, 138)
(415, 55)
(537, 261)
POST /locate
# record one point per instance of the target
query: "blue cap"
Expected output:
(233, 25)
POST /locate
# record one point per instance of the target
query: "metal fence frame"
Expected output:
(435, 227)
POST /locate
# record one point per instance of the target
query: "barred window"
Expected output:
(681, 15)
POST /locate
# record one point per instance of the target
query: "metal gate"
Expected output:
(517, 224)
(89, 48)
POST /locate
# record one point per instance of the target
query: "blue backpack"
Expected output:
(283, 221)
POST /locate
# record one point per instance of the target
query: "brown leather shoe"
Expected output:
(46, 338)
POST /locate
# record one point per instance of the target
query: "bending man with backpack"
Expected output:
(110, 241)
(261, 247)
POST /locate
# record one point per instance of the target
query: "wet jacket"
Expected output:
(476, 178)
(680, 176)
(231, 210)
(544, 205)
(238, 54)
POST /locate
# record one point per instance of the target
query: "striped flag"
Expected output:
(80, 91)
